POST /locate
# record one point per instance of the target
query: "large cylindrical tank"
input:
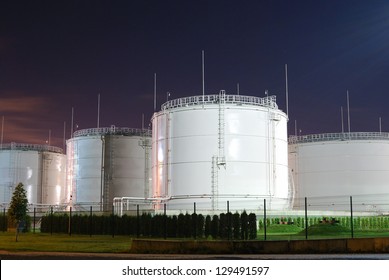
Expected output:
(220, 148)
(40, 168)
(330, 168)
(104, 163)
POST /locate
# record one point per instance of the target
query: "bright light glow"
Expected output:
(57, 193)
(234, 149)
(233, 123)
(29, 193)
(29, 172)
(160, 154)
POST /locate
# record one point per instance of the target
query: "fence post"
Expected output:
(4, 221)
(264, 218)
(228, 221)
(34, 219)
(195, 221)
(164, 221)
(51, 220)
(113, 221)
(306, 219)
(90, 222)
(137, 221)
(70, 221)
(351, 220)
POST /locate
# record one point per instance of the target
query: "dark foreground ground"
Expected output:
(6, 255)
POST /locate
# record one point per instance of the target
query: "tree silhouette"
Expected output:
(17, 211)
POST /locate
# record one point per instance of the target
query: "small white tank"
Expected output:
(328, 168)
(104, 163)
(41, 169)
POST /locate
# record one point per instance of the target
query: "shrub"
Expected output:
(207, 226)
(244, 226)
(236, 226)
(215, 226)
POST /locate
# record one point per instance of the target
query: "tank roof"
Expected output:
(112, 131)
(31, 147)
(343, 136)
(268, 101)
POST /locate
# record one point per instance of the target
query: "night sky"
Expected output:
(55, 55)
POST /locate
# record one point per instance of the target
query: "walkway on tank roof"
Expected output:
(30, 147)
(343, 136)
(113, 130)
(268, 101)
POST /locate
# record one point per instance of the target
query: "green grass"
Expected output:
(44, 242)
(317, 231)
(326, 229)
(41, 242)
(283, 229)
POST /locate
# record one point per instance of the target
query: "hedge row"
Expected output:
(224, 226)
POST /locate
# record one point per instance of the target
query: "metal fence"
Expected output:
(311, 218)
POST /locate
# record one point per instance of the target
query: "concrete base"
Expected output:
(327, 246)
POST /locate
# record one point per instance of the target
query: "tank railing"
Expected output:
(30, 147)
(112, 131)
(345, 136)
(268, 101)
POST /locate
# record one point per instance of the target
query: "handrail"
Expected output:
(268, 101)
(30, 147)
(344, 136)
(113, 130)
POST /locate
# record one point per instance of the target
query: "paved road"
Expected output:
(6, 255)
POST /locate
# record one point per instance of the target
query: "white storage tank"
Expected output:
(109, 162)
(217, 148)
(329, 168)
(41, 169)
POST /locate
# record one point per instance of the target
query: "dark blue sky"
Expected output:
(55, 55)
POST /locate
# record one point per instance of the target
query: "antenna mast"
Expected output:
(202, 75)
(155, 92)
(71, 127)
(64, 136)
(98, 111)
(2, 132)
(348, 113)
(286, 90)
(143, 122)
(341, 118)
(202, 72)
(295, 127)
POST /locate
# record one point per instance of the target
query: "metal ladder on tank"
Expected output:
(145, 143)
(12, 172)
(108, 175)
(220, 159)
(222, 101)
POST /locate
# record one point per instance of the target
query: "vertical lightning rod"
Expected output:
(2, 131)
(202, 74)
(348, 113)
(155, 92)
(341, 118)
(380, 124)
(64, 136)
(71, 127)
(286, 90)
(237, 88)
(295, 128)
(143, 122)
(98, 111)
